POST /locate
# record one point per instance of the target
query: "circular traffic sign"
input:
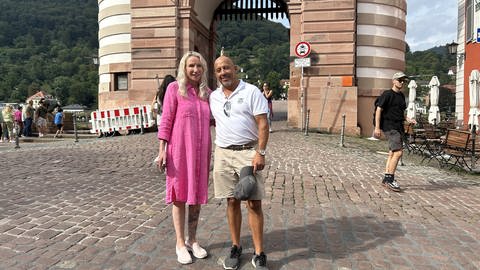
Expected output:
(302, 49)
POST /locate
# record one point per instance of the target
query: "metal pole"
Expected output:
(342, 133)
(474, 131)
(307, 122)
(17, 133)
(74, 115)
(302, 97)
(141, 122)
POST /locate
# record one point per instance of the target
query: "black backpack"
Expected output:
(375, 105)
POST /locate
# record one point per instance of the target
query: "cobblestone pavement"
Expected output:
(98, 204)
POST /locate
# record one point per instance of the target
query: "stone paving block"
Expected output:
(48, 234)
(326, 212)
(89, 241)
(88, 253)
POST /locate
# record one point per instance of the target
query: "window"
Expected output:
(476, 20)
(121, 81)
(469, 20)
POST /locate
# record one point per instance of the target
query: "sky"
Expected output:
(430, 23)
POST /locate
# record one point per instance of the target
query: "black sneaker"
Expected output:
(386, 179)
(233, 259)
(260, 261)
(393, 185)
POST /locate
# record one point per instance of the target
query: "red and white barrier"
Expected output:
(121, 119)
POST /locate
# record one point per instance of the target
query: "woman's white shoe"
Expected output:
(183, 256)
(197, 250)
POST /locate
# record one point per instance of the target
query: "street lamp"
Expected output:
(95, 59)
(452, 49)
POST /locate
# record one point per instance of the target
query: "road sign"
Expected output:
(478, 35)
(302, 49)
(302, 62)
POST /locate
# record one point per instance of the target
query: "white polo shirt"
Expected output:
(236, 125)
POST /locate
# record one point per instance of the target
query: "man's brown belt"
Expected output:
(247, 146)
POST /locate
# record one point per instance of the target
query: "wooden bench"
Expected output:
(474, 153)
(455, 149)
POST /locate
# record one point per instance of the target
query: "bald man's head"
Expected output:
(224, 59)
(226, 72)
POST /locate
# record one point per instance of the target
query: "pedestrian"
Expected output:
(8, 122)
(268, 93)
(41, 118)
(389, 118)
(29, 114)
(157, 103)
(375, 105)
(240, 112)
(18, 118)
(58, 121)
(2, 128)
(185, 150)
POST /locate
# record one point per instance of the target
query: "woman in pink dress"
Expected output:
(185, 150)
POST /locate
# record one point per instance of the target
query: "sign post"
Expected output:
(302, 50)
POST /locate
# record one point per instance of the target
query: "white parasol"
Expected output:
(434, 111)
(412, 94)
(474, 102)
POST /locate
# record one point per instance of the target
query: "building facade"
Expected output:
(356, 46)
(468, 54)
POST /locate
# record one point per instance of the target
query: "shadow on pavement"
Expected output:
(432, 186)
(329, 239)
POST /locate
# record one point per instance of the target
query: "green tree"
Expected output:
(47, 45)
(259, 47)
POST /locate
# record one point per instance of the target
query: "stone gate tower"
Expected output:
(356, 47)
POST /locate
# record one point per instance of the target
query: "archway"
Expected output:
(259, 46)
(356, 47)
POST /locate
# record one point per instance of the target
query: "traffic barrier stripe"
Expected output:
(121, 119)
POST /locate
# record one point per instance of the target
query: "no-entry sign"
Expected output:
(302, 49)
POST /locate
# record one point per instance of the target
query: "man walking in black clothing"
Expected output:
(389, 118)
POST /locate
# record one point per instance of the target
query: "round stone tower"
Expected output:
(114, 37)
(381, 27)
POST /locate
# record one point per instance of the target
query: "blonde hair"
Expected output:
(182, 78)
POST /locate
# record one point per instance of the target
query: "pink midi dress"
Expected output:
(185, 125)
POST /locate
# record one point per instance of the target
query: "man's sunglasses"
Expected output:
(227, 107)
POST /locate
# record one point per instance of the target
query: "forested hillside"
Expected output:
(422, 65)
(49, 45)
(260, 48)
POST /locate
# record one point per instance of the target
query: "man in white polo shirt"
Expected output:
(240, 112)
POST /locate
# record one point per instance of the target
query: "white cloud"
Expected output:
(431, 23)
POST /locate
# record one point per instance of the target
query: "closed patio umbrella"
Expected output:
(474, 98)
(412, 94)
(434, 111)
